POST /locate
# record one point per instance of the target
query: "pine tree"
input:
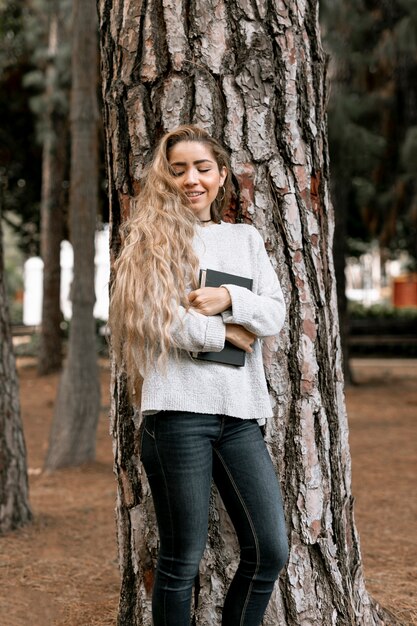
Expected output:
(14, 497)
(252, 74)
(53, 111)
(77, 407)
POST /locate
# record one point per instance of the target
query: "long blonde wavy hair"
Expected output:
(157, 262)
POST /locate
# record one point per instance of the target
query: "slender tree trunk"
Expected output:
(77, 407)
(14, 496)
(54, 160)
(52, 233)
(252, 73)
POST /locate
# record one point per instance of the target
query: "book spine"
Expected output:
(203, 276)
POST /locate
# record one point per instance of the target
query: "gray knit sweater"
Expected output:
(188, 384)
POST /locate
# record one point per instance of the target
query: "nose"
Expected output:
(191, 176)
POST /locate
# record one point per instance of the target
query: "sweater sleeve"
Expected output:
(195, 332)
(263, 312)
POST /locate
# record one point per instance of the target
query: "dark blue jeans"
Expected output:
(181, 452)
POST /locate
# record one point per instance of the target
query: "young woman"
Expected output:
(202, 418)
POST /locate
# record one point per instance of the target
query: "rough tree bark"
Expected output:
(54, 161)
(14, 495)
(340, 252)
(252, 73)
(77, 407)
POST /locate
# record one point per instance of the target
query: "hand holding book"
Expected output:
(240, 337)
(210, 300)
(211, 297)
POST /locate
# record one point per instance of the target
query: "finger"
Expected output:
(197, 302)
(192, 295)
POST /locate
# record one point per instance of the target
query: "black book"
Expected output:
(231, 355)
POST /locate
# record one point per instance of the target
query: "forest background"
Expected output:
(372, 76)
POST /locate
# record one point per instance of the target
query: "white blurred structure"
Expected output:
(369, 279)
(363, 277)
(102, 263)
(32, 294)
(67, 264)
(33, 278)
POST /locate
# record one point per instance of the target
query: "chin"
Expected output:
(202, 214)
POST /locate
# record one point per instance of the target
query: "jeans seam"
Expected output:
(253, 533)
(222, 424)
(149, 433)
(145, 427)
(170, 516)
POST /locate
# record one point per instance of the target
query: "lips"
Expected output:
(194, 194)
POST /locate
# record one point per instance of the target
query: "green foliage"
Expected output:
(358, 310)
(409, 151)
(11, 35)
(25, 56)
(15, 311)
(406, 29)
(51, 89)
(373, 117)
(20, 155)
(29, 346)
(13, 263)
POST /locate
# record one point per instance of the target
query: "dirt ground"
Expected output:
(62, 569)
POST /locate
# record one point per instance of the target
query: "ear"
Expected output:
(223, 175)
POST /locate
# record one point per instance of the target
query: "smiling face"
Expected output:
(196, 174)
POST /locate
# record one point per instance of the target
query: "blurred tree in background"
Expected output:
(73, 433)
(43, 31)
(373, 118)
(51, 105)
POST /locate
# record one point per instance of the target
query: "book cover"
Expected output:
(230, 355)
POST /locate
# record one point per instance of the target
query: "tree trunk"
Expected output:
(78, 402)
(14, 496)
(253, 76)
(54, 160)
(340, 249)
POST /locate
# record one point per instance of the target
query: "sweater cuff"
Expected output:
(241, 310)
(215, 334)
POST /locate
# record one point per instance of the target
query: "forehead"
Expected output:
(189, 152)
